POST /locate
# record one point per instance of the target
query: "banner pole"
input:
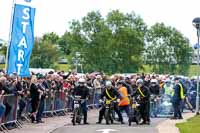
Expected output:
(10, 32)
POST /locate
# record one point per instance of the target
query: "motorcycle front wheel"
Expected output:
(107, 116)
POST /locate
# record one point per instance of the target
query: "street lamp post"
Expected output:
(77, 60)
(196, 23)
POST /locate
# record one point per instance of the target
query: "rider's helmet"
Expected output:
(140, 81)
(154, 82)
(108, 84)
(81, 81)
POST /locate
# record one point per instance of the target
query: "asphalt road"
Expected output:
(103, 128)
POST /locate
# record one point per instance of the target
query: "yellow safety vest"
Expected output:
(112, 98)
(181, 91)
(168, 90)
(141, 92)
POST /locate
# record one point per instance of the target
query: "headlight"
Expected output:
(76, 105)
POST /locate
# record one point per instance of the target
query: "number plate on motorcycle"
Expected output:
(134, 106)
(107, 102)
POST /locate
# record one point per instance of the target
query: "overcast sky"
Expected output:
(54, 15)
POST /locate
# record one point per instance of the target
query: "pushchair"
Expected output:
(165, 108)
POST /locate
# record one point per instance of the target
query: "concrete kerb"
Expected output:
(52, 130)
(51, 124)
(59, 126)
(169, 126)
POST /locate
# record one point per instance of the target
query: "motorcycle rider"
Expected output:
(83, 91)
(143, 94)
(154, 87)
(111, 94)
(154, 91)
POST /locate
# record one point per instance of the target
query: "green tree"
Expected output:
(63, 43)
(51, 38)
(168, 51)
(113, 44)
(128, 40)
(44, 54)
(3, 50)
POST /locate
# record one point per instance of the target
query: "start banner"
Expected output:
(21, 38)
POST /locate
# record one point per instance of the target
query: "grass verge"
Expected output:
(191, 126)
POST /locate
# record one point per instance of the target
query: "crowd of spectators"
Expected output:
(38, 87)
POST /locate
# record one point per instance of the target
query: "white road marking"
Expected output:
(106, 130)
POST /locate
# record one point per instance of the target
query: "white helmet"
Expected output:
(154, 81)
(139, 81)
(81, 80)
(108, 84)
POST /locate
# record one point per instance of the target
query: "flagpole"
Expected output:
(10, 32)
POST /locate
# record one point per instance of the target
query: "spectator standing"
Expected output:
(97, 92)
(177, 97)
(34, 94)
(41, 89)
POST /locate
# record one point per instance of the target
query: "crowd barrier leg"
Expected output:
(25, 114)
(49, 105)
(91, 104)
(18, 124)
(45, 108)
(1, 128)
(10, 117)
(59, 103)
(4, 128)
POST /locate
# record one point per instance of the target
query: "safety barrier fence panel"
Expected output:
(15, 108)
(9, 115)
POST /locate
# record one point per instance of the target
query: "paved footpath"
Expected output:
(63, 124)
(168, 126)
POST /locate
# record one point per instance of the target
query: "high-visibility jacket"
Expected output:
(168, 89)
(180, 93)
(124, 94)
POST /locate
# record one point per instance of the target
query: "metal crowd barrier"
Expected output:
(26, 111)
(91, 99)
(10, 115)
(59, 102)
(56, 103)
